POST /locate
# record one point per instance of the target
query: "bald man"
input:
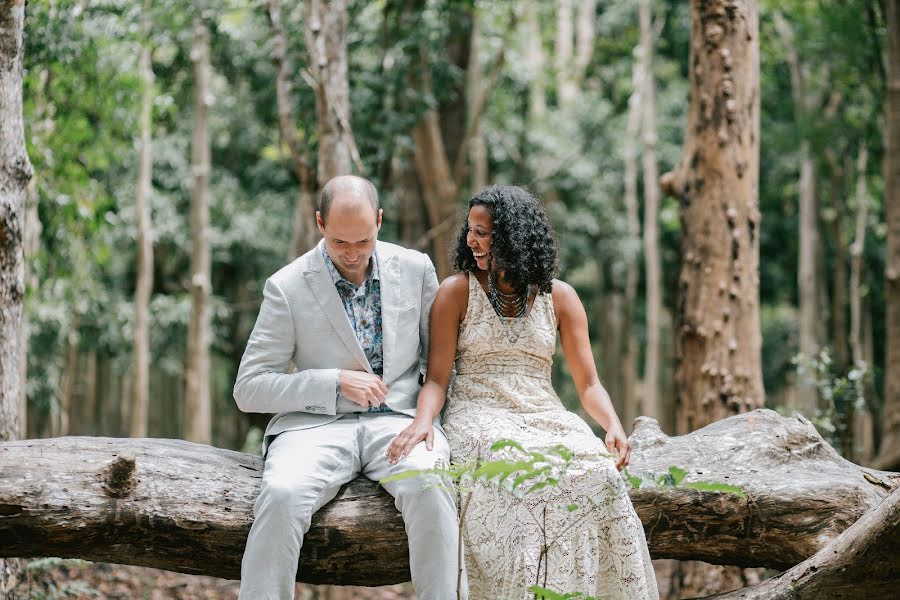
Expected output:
(352, 315)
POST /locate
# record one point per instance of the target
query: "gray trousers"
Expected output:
(304, 469)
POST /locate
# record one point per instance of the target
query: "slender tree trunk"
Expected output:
(140, 392)
(534, 51)
(89, 408)
(326, 44)
(633, 404)
(477, 147)
(565, 85)
(15, 172)
(651, 404)
(197, 401)
(585, 35)
(839, 327)
(303, 231)
(807, 275)
(63, 426)
(718, 339)
(32, 241)
(890, 443)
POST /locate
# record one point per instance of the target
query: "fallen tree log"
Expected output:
(186, 507)
(862, 562)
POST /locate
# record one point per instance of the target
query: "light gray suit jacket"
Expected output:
(302, 319)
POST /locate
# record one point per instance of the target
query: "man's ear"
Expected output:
(320, 222)
(380, 213)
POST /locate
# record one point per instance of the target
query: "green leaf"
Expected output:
(709, 486)
(677, 474)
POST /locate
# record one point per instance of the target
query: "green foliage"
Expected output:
(840, 394)
(675, 478)
(545, 594)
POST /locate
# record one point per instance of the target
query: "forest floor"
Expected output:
(51, 579)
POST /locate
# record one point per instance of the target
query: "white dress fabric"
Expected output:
(502, 390)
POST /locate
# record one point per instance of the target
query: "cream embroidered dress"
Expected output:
(502, 390)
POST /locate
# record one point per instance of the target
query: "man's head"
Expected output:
(349, 218)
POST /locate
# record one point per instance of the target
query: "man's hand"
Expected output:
(362, 388)
(407, 439)
(617, 443)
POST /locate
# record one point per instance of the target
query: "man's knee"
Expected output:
(288, 501)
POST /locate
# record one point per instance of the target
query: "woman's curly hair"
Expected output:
(523, 244)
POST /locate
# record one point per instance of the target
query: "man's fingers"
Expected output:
(382, 386)
(429, 439)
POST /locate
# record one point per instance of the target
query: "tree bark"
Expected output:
(651, 402)
(633, 403)
(133, 501)
(197, 400)
(890, 443)
(140, 391)
(807, 280)
(534, 51)
(718, 335)
(326, 44)
(15, 172)
(839, 327)
(303, 231)
(862, 562)
(566, 90)
(63, 425)
(718, 339)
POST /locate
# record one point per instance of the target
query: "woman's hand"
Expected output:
(617, 443)
(407, 439)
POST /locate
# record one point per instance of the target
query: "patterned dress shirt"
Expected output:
(363, 307)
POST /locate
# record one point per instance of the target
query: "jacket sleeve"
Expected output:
(429, 291)
(263, 383)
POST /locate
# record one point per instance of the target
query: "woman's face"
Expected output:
(481, 225)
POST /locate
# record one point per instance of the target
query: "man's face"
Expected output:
(350, 232)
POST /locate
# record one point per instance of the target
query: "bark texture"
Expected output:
(187, 507)
(652, 405)
(808, 283)
(15, 172)
(140, 391)
(862, 562)
(303, 231)
(718, 339)
(890, 442)
(326, 44)
(197, 401)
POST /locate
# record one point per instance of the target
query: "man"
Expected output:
(352, 315)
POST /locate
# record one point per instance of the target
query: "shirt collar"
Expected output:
(336, 276)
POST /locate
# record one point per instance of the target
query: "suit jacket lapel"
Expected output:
(332, 307)
(391, 298)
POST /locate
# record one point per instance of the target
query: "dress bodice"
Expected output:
(485, 345)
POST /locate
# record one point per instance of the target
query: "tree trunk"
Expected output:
(807, 280)
(89, 406)
(477, 147)
(303, 231)
(140, 392)
(585, 36)
(31, 246)
(15, 172)
(634, 405)
(890, 443)
(862, 562)
(718, 336)
(534, 51)
(718, 340)
(566, 90)
(651, 403)
(197, 401)
(326, 44)
(63, 425)
(132, 501)
(839, 327)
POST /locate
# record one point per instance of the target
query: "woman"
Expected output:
(497, 321)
